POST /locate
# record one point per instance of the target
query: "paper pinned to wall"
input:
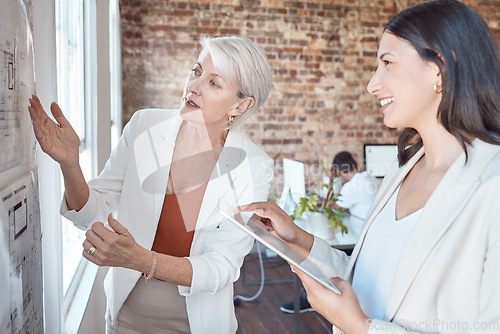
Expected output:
(17, 82)
(21, 309)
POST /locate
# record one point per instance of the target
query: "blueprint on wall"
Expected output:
(17, 144)
(21, 305)
(21, 293)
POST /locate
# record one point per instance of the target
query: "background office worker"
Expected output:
(428, 257)
(356, 194)
(163, 182)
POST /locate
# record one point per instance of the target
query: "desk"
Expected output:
(347, 247)
(340, 241)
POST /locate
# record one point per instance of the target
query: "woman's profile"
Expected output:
(427, 259)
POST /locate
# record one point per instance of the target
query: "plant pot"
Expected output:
(318, 224)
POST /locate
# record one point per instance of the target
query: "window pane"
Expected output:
(70, 62)
(115, 72)
(71, 83)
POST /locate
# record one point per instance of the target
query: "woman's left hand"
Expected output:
(342, 311)
(115, 248)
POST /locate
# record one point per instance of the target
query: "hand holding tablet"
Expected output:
(257, 230)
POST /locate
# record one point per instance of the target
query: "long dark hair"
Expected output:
(455, 38)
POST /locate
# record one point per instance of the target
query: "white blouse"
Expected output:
(379, 256)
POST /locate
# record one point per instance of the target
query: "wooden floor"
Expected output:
(263, 315)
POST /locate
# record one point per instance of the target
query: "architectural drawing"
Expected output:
(16, 83)
(21, 307)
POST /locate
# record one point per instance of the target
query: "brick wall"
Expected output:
(321, 53)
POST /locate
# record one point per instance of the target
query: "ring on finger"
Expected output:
(91, 250)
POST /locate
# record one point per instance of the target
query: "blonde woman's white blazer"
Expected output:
(448, 274)
(132, 186)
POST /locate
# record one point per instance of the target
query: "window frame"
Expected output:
(102, 106)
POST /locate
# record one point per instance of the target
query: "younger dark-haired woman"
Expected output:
(428, 256)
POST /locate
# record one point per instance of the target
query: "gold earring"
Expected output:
(436, 89)
(231, 119)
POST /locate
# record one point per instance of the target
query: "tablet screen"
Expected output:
(258, 231)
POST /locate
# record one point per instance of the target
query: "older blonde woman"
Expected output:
(163, 183)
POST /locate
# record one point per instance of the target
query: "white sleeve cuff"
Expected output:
(83, 218)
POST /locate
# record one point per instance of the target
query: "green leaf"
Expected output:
(309, 202)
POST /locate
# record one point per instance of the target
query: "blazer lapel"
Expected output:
(154, 149)
(459, 182)
(385, 192)
(433, 222)
(224, 181)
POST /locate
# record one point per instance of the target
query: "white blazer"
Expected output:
(132, 186)
(448, 274)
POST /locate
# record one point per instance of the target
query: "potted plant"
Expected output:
(322, 220)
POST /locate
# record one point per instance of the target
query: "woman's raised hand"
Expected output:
(59, 140)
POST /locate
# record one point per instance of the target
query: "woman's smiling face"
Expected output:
(404, 84)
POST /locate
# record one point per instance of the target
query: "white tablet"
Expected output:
(256, 230)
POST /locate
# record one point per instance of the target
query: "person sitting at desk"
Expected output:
(357, 192)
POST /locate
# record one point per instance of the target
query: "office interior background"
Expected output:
(104, 59)
(322, 54)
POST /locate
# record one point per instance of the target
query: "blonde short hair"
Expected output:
(243, 61)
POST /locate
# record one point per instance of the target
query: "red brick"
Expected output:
(322, 54)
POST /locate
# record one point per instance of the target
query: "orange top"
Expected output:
(177, 223)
